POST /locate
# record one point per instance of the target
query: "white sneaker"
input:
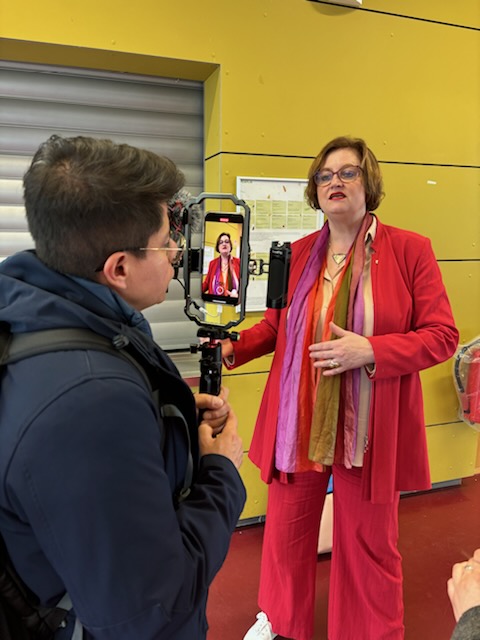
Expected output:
(261, 630)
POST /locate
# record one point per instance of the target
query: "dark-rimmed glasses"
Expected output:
(347, 173)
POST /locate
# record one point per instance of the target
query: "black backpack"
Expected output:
(21, 615)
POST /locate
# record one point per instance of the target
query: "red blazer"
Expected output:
(413, 330)
(207, 284)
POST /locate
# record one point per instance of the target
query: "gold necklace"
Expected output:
(338, 258)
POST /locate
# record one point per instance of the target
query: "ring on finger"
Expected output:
(333, 364)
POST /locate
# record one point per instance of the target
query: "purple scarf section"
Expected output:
(286, 444)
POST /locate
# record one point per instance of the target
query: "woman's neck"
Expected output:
(342, 235)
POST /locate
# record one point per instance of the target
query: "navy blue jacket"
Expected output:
(85, 501)
(468, 626)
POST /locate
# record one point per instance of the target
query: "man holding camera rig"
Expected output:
(93, 503)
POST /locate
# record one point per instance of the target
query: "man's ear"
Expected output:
(116, 271)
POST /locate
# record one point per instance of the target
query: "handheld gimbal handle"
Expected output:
(211, 360)
(211, 368)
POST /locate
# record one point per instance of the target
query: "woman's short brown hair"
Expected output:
(371, 175)
(217, 244)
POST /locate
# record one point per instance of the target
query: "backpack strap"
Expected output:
(171, 414)
(5, 341)
(18, 346)
(15, 347)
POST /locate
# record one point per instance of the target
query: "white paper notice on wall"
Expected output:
(279, 212)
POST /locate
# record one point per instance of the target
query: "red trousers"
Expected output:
(365, 596)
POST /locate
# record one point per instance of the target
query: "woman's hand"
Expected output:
(227, 347)
(464, 586)
(215, 408)
(348, 351)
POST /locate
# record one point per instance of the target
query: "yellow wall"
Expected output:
(284, 76)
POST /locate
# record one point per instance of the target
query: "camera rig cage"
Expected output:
(211, 348)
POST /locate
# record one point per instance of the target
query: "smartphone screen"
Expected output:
(221, 269)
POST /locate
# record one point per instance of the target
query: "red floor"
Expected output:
(437, 529)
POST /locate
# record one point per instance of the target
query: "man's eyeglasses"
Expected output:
(347, 173)
(176, 253)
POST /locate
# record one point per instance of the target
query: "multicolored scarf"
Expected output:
(349, 314)
(222, 283)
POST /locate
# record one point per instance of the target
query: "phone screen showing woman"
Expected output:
(221, 269)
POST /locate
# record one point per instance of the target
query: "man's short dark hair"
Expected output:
(87, 198)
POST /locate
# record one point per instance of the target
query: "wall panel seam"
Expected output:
(400, 15)
(287, 156)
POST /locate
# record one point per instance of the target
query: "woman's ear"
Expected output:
(116, 271)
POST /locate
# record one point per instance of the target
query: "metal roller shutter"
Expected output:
(163, 115)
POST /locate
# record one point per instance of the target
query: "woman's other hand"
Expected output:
(348, 351)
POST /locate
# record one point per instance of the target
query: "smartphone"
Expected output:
(222, 255)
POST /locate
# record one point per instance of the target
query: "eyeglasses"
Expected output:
(179, 250)
(176, 255)
(347, 173)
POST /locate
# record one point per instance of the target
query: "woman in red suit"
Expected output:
(223, 274)
(366, 311)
